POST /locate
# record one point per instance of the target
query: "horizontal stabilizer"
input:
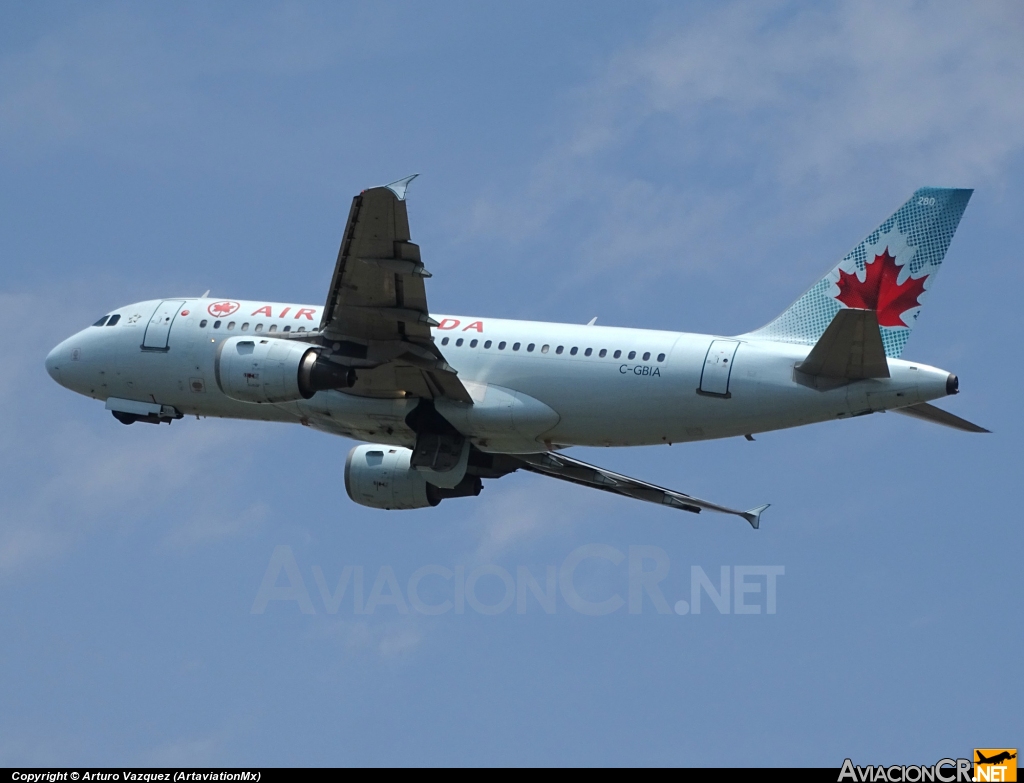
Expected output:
(850, 349)
(930, 413)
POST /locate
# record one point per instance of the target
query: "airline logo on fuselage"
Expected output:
(227, 307)
(222, 309)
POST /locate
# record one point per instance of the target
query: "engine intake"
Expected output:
(270, 370)
(382, 477)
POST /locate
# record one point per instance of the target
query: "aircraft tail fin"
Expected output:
(890, 272)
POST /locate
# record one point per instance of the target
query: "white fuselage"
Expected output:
(535, 385)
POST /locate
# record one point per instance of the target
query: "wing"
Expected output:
(567, 469)
(376, 318)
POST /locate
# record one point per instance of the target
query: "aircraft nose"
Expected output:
(53, 363)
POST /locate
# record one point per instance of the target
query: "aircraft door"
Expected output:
(159, 327)
(714, 379)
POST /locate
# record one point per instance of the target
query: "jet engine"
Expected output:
(381, 477)
(252, 369)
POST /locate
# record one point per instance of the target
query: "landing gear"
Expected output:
(439, 445)
(148, 418)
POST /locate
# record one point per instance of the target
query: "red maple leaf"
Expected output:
(223, 308)
(880, 291)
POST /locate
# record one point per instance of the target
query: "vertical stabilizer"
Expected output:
(890, 272)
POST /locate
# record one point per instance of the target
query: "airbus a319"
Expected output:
(445, 402)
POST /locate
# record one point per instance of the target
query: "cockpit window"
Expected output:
(102, 321)
(113, 320)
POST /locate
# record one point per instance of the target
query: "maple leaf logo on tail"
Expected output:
(915, 239)
(880, 290)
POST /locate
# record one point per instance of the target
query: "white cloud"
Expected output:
(68, 475)
(115, 78)
(695, 145)
(216, 523)
(386, 638)
(925, 89)
(516, 515)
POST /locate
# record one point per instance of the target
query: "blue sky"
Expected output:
(676, 167)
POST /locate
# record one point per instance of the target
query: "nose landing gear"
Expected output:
(131, 411)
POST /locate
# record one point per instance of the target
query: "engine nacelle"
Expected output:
(381, 477)
(253, 369)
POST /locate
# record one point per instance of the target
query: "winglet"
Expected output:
(399, 187)
(754, 515)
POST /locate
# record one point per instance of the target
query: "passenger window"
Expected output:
(647, 356)
(445, 341)
(501, 346)
(245, 327)
(472, 343)
(259, 327)
(515, 346)
(530, 347)
(102, 321)
(559, 349)
(632, 355)
(487, 344)
(661, 357)
(216, 324)
(273, 327)
(203, 323)
(231, 325)
(617, 354)
(573, 351)
(588, 351)
(287, 329)
(301, 329)
(458, 343)
(604, 353)
(113, 320)
(544, 348)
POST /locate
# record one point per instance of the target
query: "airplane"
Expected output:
(996, 759)
(445, 402)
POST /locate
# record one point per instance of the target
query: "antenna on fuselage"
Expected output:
(206, 294)
(592, 321)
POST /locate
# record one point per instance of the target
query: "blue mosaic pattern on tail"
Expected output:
(918, 234)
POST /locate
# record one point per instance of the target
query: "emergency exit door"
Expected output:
(714, 379)
(159, 327)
